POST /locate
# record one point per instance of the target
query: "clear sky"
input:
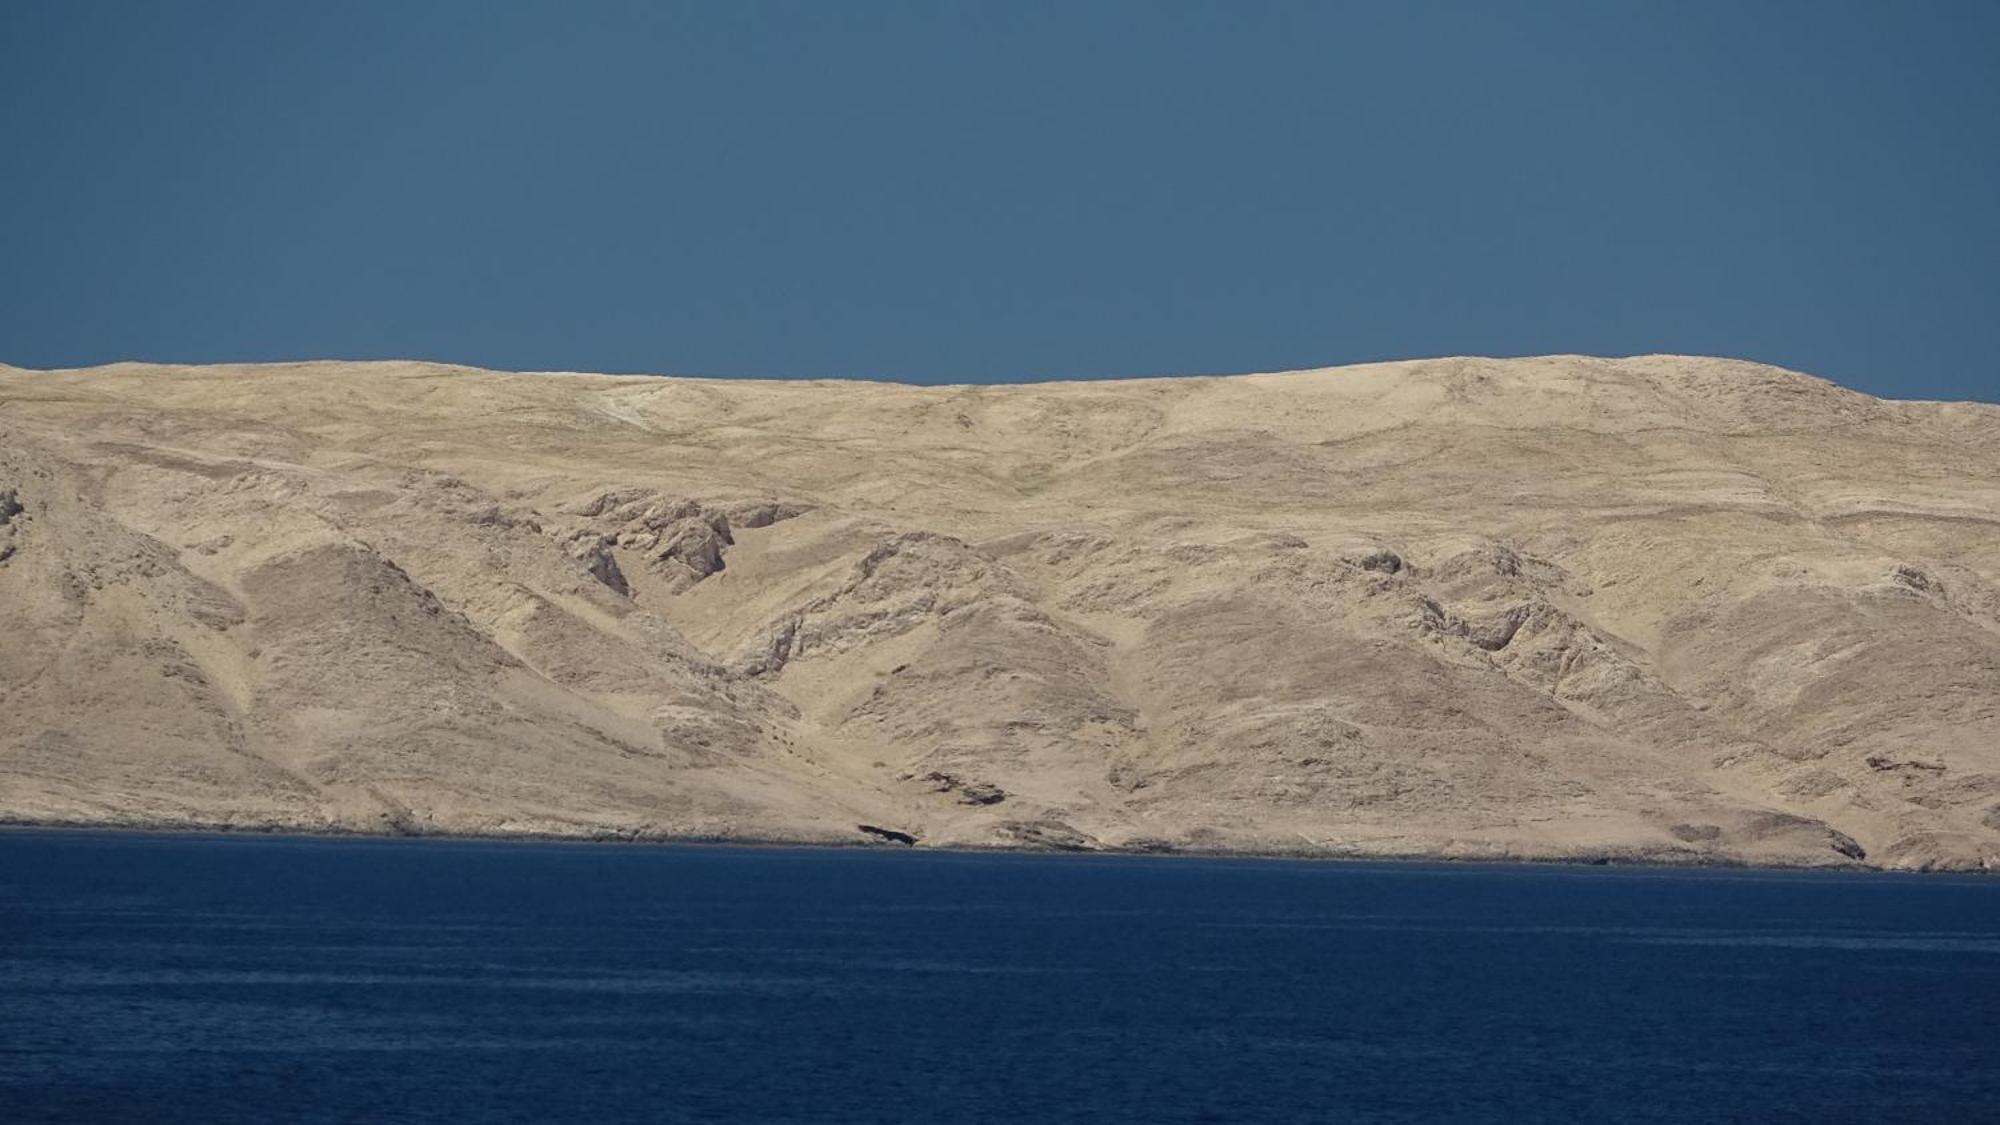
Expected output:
(1004, 191)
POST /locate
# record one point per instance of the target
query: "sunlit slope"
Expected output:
(1663, 607)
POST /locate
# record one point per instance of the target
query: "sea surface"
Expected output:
(164, 978)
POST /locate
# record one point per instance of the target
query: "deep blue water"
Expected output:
(165, 978)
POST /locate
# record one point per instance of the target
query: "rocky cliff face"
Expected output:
(1662, 607)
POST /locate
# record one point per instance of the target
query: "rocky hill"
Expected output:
(1663, 607)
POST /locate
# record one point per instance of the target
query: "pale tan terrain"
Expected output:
(1663, 607)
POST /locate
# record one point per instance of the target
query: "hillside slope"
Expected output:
(1658, 607)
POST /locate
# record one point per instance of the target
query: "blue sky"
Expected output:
(996, 192)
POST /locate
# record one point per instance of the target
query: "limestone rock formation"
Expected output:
(1660, 608)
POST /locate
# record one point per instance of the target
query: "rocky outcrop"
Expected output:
(902, 582)
(964, 792)
(680, 540)
(10, 506)
(1046, 835)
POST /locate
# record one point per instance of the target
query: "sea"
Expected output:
(176, 978)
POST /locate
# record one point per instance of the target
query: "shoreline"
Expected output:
(1595, 861)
